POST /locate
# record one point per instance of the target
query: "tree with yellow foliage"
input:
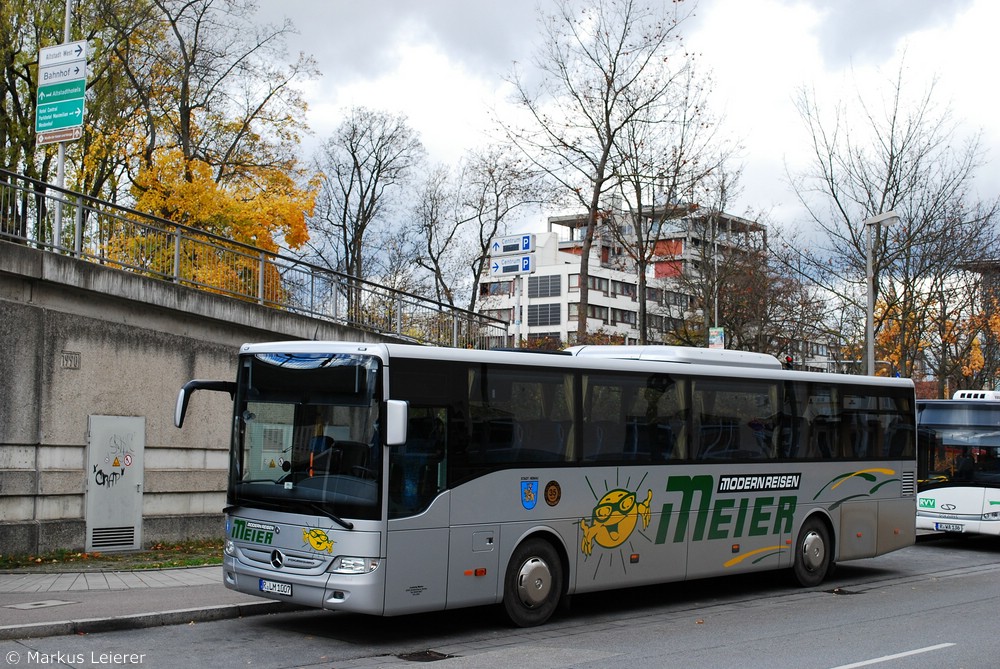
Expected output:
(222, 122)
(259, 210)
(194, 96)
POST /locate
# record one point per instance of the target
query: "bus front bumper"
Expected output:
(963, 525)
(357, 593)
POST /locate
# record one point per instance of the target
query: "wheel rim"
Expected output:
(813, 551)
(534, 582)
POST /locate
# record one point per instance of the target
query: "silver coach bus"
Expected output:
(393, 479)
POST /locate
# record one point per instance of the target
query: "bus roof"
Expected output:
(684, 354)
(976, 395)
(707, 362)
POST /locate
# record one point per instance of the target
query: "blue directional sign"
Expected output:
(502, 246)
(512, 265)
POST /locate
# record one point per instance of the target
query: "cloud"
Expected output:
(360, 40)
(442, 63)
(866, 32)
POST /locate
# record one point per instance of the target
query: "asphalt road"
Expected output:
(929, 606)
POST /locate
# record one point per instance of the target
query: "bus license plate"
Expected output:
(276, 587)
(948, 527)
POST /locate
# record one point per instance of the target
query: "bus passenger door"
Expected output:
(419, 516)
(416, 576)
(473, 565)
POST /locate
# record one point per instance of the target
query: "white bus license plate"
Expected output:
(948, 527)
(276, 587)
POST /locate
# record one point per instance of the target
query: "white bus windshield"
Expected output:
(959, 443)
(306, 435)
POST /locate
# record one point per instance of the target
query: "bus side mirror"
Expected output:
(395, 422)
(185, 394)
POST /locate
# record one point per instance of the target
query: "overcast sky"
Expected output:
(443, 63)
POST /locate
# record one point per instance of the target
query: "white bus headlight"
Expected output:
(353, 565)
(991, 515)
(229, 548)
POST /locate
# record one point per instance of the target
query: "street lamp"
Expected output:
(869, 223)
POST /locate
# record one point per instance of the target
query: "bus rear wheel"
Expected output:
(533, 584)
(813, 557)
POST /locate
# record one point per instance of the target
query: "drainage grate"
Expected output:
(424, 656)
(27, 606)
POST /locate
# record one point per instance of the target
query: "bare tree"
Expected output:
(456, 215)
(602, 64)
(368, 160)
(438, 228)
(495, 185)
(906, 157)
(662, 161)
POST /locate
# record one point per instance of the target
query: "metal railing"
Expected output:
(42, 216)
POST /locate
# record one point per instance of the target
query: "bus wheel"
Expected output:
(533, 585)
(812, 553)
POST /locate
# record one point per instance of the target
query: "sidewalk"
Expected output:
(53, 604)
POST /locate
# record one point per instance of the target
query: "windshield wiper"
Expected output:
(280, 503)
(346, 524)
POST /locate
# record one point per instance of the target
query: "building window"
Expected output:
(544, 286)
(496, 288)
(623, 288)
(598, 283)
(595, 311)
(623, 316)
(543, 314)
(574, 283)
(501, 314)
(677, 299)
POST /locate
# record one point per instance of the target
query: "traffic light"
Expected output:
(789, 362)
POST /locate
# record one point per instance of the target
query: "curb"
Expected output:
(143, 620)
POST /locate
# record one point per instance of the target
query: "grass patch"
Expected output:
(158, 556)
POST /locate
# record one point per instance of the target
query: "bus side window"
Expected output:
(602, 418)
(417, 468)
(736, 423)
(823, 418)
(542, 408)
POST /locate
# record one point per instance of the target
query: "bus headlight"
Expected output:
(353, 565)
(991, 515)
(229, 548)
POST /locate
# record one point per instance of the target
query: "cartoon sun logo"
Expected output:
(317, 539)
(614, 518)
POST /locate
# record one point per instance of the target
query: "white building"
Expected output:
(545, 304)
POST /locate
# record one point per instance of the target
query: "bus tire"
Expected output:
(813, 553)
(533, 584)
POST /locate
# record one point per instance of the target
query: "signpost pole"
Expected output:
(61, 157)
(517, 313)
(59, 108)
(504, 261)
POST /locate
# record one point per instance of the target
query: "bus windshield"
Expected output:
(306, 435)
(959, 443)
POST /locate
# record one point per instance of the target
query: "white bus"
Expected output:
(959, 463)
(391, 479)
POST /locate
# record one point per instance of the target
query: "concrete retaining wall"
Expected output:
(78, 339)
